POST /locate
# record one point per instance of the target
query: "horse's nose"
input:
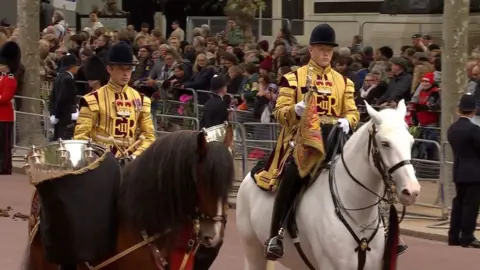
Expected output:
(207, 240)
(409, 193)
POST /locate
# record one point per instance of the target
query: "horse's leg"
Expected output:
(254, 255)
(36, 257)
(253, 248)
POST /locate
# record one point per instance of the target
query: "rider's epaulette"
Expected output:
(292, 79)
(91, 100)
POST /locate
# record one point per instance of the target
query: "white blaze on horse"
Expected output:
(354, 185)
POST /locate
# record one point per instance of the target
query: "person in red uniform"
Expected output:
(9, 64)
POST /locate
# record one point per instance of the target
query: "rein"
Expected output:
(160, 261)
(389, 192)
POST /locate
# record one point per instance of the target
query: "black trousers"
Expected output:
(288, 190)
(205, 257)
(463, 219)
(63, 131)
(6, 147)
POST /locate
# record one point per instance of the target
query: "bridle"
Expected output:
(193, 243)
(389, 195)
(385, 172)
(160, 259)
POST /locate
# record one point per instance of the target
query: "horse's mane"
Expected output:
(159, 188)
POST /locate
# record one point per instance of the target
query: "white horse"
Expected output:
(325, 240)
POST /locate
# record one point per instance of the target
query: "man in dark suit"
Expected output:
(63, 111)
(464, 137)
(215, 111)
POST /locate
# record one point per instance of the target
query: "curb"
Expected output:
(18, 170)
(403, 231)
(424, 235)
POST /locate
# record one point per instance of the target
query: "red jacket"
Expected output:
(8, 87)
(426, 117)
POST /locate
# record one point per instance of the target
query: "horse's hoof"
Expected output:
(274, 249)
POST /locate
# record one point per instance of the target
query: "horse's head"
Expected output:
(390, 148)
(215, 177)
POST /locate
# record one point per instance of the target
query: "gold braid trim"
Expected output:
(309, 149)
(83, 170)
(34, 231)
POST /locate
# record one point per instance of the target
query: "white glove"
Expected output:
(300, 107)
(53, 120)
(75, 116)
(343, 123)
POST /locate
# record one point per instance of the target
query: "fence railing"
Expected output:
(254, 141)
(31, 128)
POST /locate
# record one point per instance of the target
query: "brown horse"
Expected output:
(172, 198)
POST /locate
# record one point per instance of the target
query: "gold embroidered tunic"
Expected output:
(118, 113)
(334, 97)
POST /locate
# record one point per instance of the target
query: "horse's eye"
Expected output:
(385, 144)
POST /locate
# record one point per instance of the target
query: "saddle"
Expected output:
(333, 134)
(334, 146)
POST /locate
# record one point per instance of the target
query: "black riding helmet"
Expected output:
(323, 34)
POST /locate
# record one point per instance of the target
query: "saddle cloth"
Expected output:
(263, 178)
(76, 215)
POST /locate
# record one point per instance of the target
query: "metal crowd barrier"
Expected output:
(239, 156)
(169, 123)
(254, 141)
(31, 128)
(262, 138)
(173, 106)
(429, 174)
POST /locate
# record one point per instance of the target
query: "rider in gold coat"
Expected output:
(311, 101)
(116, 115)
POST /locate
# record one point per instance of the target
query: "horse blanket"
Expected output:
(76, 214)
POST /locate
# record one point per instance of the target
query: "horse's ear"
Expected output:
(402, 108)
(228, 141)
(202, 145)
(373, 113)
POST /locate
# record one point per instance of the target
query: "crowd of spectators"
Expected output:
(168, 65)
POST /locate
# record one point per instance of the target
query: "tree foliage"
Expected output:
(244, 11)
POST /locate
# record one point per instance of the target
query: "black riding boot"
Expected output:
(68, 267)
(290, 186)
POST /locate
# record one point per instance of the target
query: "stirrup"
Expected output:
(274, 248)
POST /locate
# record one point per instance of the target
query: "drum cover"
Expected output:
(78, 214)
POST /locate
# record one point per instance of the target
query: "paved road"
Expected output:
(15, 192)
